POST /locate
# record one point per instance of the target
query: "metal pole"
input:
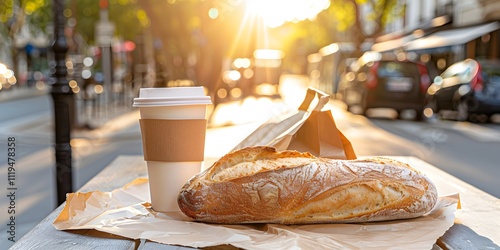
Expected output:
(62, 96)
(107, 66)
(104, 37)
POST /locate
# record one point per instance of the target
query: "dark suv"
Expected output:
(400, 85)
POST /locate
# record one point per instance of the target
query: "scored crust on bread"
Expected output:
(262, 185)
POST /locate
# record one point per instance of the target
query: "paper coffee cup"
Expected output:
(173, 126)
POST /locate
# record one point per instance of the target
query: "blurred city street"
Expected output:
(404, 78)
(465, 150)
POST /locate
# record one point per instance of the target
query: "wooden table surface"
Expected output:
(476, 225)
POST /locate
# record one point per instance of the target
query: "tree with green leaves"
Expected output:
(32, 15)
(35, 16)
(366, 18)
(129, 18)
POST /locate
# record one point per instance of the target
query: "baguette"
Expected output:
(261, 185)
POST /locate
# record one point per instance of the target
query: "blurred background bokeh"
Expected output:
(222, 43)
(190, 42)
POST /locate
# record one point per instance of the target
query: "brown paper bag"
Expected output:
(307, 130)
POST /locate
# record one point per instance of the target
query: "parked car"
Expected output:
(470, 88)
(400, 85)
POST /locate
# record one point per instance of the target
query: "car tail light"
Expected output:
(371, 82)
(477, 81)
(425, 80)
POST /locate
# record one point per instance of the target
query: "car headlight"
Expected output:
(464, 89)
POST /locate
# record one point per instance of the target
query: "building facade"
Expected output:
(444, 31)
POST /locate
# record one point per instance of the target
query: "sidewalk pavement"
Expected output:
(112, 118)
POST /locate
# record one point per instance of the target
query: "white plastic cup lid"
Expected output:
(152, 97)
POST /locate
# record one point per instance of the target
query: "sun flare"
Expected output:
(276, 12)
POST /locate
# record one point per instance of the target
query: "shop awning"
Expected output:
(391, 44)
(447, 38)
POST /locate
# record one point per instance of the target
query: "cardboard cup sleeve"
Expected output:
(173, 140)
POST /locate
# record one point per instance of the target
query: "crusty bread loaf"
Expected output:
(261, 185)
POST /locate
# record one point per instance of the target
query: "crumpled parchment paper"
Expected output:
(124, 212)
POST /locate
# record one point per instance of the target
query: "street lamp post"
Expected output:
(62, 96)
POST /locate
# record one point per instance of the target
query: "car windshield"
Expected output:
(396, 69)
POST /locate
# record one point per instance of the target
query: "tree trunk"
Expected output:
(358, 32)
